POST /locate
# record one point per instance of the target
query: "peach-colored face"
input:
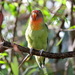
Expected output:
(36, 14)
(36, 20)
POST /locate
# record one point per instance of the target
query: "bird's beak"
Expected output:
(34, 15)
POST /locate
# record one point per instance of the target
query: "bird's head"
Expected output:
(36, 15)
(36, 19)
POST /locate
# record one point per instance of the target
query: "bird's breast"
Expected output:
(37, 24)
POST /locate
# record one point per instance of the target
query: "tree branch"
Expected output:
(5, 45)
(14, 31)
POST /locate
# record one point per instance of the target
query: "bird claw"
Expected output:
(31, 49)
(41, 51)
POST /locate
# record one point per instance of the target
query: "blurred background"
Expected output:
(59, 15)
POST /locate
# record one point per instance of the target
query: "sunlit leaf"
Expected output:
(2, 62)
(72, 27)
(46, 12)
(3, 54)
(12, 7)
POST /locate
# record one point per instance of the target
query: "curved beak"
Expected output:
(34, 15)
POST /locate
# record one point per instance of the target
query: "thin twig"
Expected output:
(14, 31)
(64, 30)
(25, 58)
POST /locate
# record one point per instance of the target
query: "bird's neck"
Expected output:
(36, 24)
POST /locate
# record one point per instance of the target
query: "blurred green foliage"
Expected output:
(12, 8)
(55, 16)
(14, 66)
(2, 55)
(61, 1)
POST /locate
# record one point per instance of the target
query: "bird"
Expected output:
(37, 35)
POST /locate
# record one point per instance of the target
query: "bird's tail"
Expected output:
(40, 61)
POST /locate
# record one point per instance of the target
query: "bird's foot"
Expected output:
(42, 66)
(41, 51)
(31, 50)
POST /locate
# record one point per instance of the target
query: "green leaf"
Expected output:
(46, 12)
(14, 66)
(29, 8)
(72, 27)
(2, 62)
(11, 8)
(59, 42)
(2, 55)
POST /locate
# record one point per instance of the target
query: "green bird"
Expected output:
(37, 34)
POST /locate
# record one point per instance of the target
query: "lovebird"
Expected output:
(37, 35)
